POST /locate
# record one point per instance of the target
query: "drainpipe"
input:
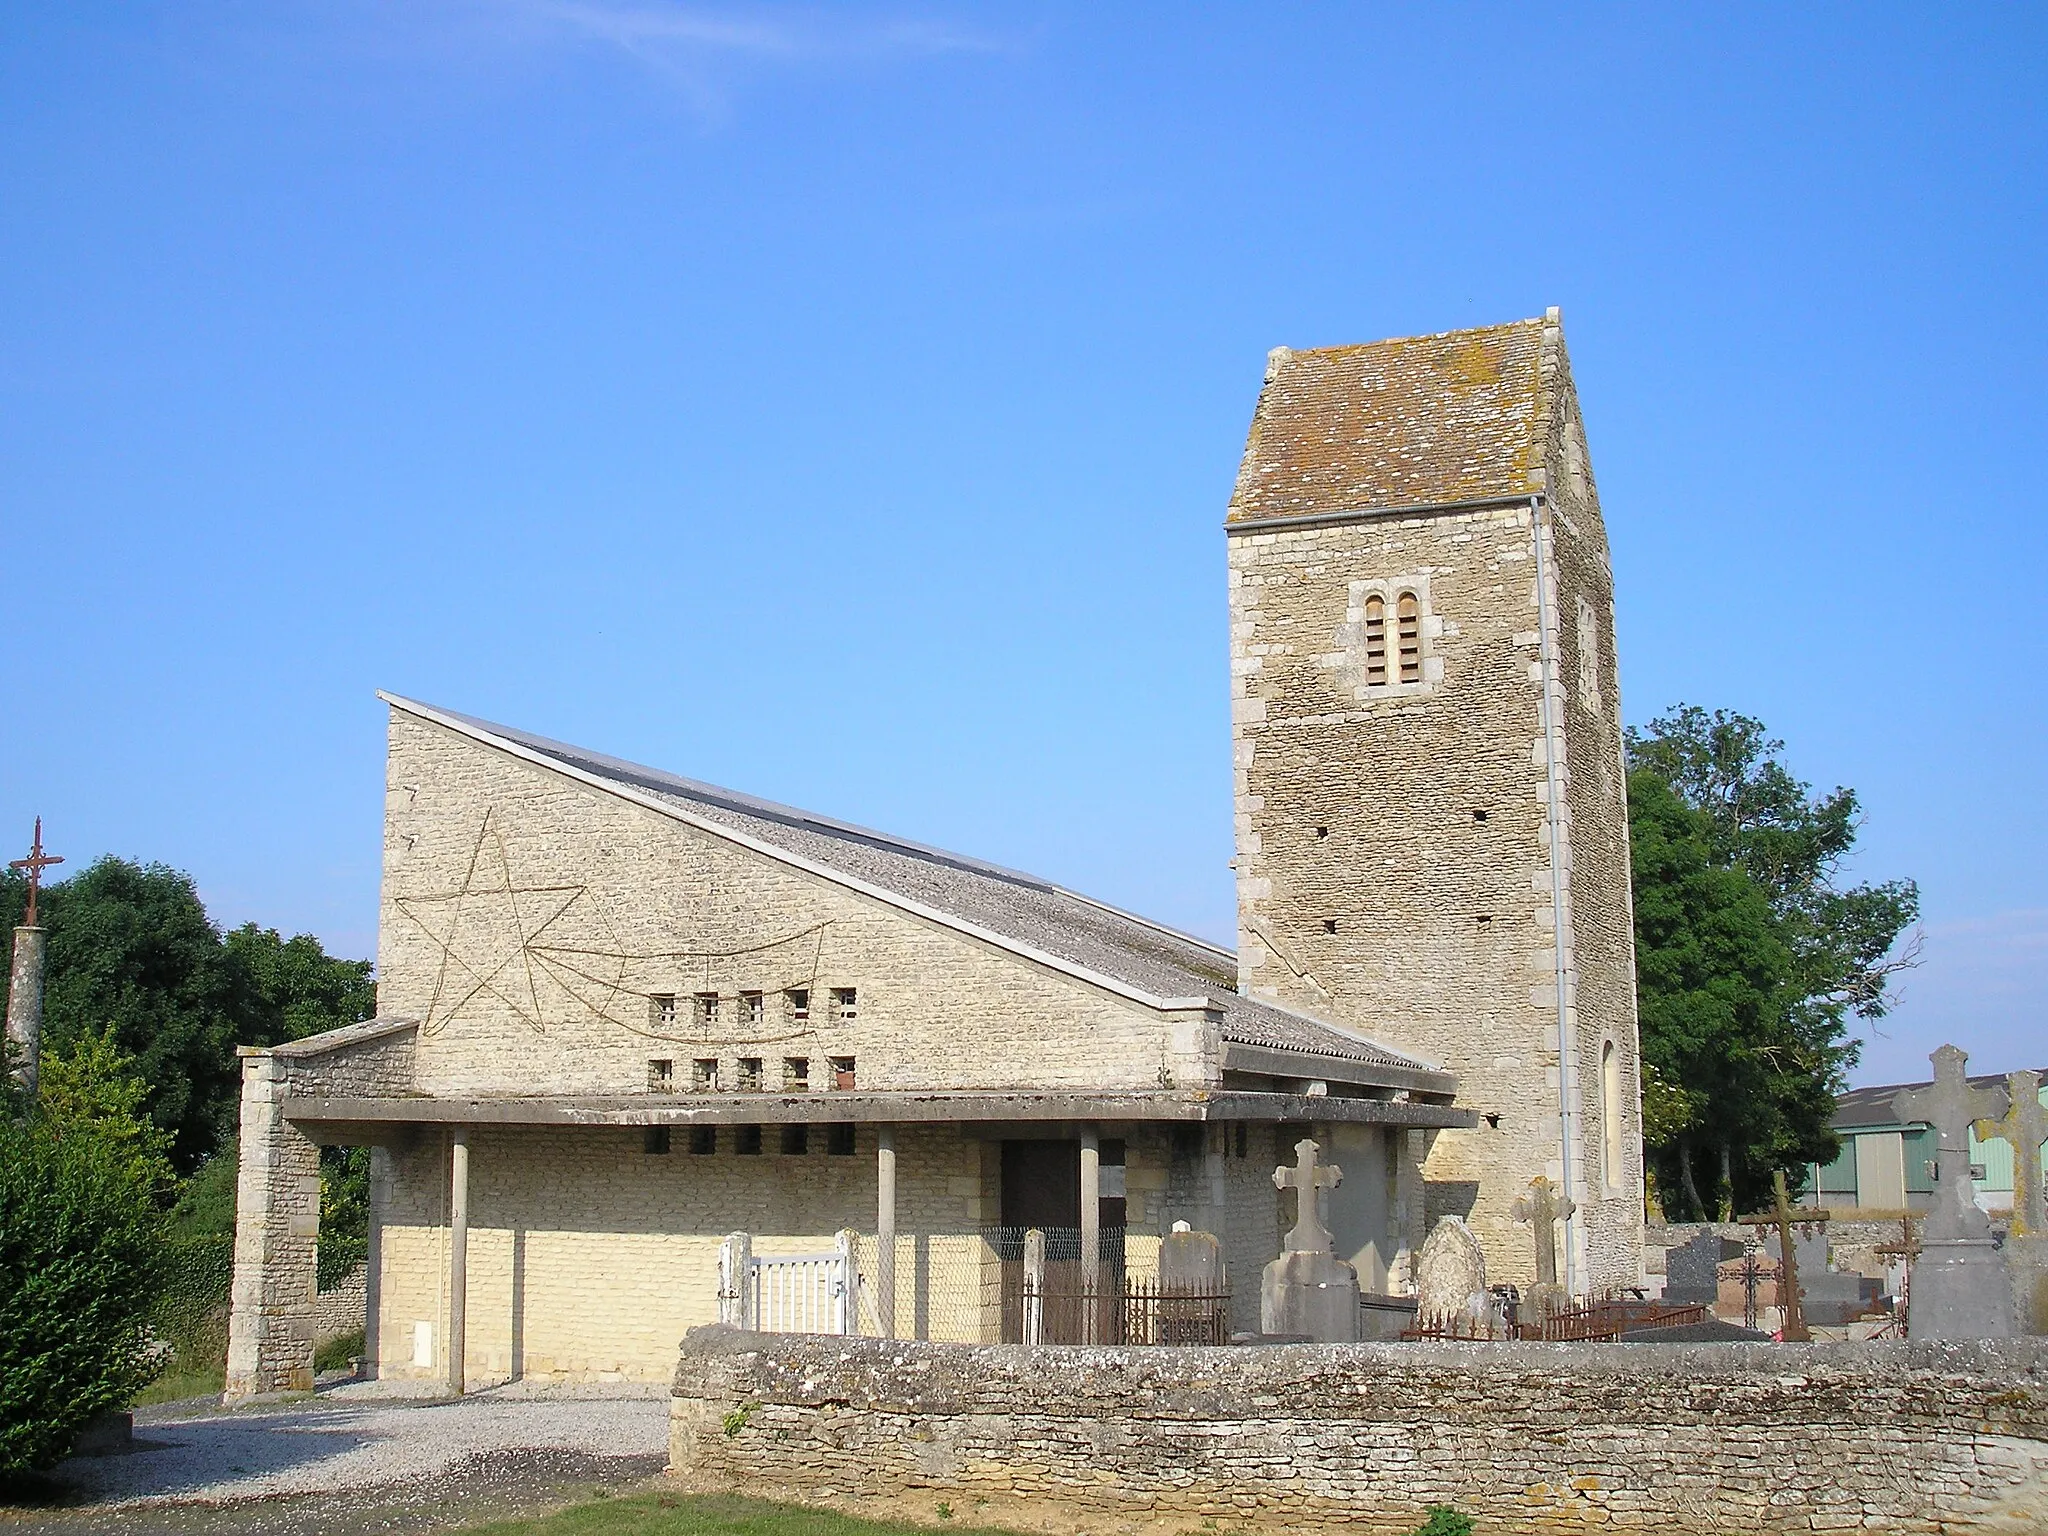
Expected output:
(1553, 815)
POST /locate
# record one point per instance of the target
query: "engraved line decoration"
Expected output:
(502, 939)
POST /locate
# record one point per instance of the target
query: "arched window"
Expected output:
(1610, 1114)
(1408, 618)
(1375, 640)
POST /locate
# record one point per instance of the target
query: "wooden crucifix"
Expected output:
(2024, 1126)
(36, 862)
(1950, 1104)
(1543, 1206)
(1307, 1180)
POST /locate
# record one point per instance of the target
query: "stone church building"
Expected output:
(623, 1014)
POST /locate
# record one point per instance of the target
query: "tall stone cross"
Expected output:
(25, 979)
(36, 862)
(1306, 1179)
(1950, 1105)
(2024, 1125)
(1543, 1206)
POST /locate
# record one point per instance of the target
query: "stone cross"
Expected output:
(1950, 1105)
(1543, 1206)
(1307, 1181)
(36, 862)
(2025, 1126)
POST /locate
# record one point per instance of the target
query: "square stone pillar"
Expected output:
(277, 1229)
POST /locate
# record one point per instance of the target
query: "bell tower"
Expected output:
(1431, 816)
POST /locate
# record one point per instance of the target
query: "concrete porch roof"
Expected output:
(365, 1121)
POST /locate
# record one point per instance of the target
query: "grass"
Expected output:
(681, 1514)
(200, 1379)
(336, 1353)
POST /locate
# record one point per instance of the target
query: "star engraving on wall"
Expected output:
(487, 931)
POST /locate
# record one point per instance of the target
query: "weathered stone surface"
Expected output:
(1527, 1438)
(1398, 866)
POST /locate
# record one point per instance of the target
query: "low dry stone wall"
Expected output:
(1526, 1438)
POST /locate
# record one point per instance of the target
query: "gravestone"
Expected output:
(1692, 1269)
(1190, 1261)
(1543, 1206)
(1450, 1282)
(1961, 1288)
(1828, 1296)
(1308, 1291)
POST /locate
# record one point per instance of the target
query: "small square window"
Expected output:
(1329, 925)
(842, 1071)
(704, 1075)
(707, 1009)
(796, 1140)
(750, 1074)
(656, 1142)
(746, 1140)
(661, 1076)
(839, 1141)
(664, 1006)
(751, 1009)
(796, 1074)
(845, 1005)
(703, 1140)
(798, 1001)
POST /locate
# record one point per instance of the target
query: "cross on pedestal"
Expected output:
(2025, 1126)
(36, 862)
(1543, 1206)
(1950, 1105)
(1306, 1180)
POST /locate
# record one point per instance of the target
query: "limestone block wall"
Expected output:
(530, 921)
(590, 1257)
(1529, 1440)
(273, 1323)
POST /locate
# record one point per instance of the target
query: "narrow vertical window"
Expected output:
(661, 1076)
(1375, 640)
(796, 1074)
(750, 1074)
(842, 1071)
(751, 1012)
(707, 1010)
(1408, 621)
(704, 1075)
(664, 1009)
(845, 1005)
(798, 1001)
(1610, 1113)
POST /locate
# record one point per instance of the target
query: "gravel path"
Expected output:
(403, 1464)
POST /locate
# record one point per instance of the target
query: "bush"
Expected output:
(81, 1263)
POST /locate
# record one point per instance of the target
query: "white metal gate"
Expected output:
(787, 1292)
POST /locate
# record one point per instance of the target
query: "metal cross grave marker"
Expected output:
(36, 862)
(1950, 1105)
(1781, 1215)
(1543, 1206)
(1306, 1180)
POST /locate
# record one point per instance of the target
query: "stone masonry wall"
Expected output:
(1393, 858)
(529, 920)
(1529, 1440)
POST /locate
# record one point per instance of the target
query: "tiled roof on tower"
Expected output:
(1413, 421)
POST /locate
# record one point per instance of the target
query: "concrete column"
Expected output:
(373, 1265)
(277, 1231)
(1091, 1231)
(458, 1258)
(885, 1230)
(25, 1006)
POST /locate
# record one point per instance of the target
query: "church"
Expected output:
(623, 1014)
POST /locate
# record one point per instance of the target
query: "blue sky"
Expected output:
(841, 404)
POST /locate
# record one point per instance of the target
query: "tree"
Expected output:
(1792, 844)
(1751, 959)
(132, 951)
(82, 1178)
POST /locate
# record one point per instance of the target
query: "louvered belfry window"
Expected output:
(1408, 618)
(1375, 641)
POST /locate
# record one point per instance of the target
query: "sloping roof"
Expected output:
(1148, 957)
(1414, 421)
(1866, 1108)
